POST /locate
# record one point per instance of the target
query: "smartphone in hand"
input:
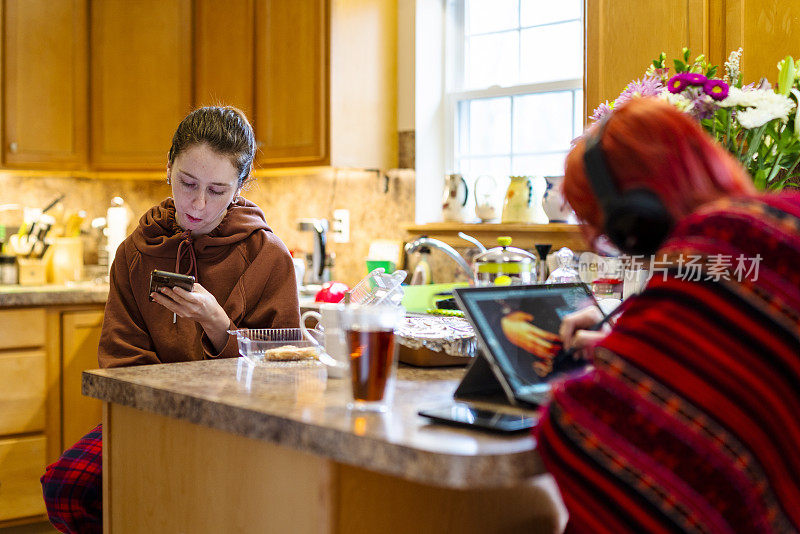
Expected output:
(159, 279)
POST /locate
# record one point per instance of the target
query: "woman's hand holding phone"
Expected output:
(198, 305)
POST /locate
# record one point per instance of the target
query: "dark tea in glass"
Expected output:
(369, 334)
(371, 353)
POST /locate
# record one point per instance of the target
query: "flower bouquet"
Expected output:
(759, 125)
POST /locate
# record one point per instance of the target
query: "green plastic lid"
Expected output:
(504, 240)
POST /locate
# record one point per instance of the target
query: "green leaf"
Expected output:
(711, 72)
(786, 75)
(686, 55)
(680, 66)
(760, 179)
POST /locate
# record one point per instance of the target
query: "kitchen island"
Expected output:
(223, 446)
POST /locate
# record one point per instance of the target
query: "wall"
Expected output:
(375, 212)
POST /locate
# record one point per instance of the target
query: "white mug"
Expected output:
(334, 344)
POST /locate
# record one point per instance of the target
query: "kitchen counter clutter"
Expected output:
(243, 448)
(47, 295)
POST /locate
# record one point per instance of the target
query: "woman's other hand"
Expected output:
(198, 305)
(573, 329)
(519, 330)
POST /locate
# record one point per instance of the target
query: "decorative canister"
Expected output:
(523, 202)
(454, 202)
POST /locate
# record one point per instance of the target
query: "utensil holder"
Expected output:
(32, 272)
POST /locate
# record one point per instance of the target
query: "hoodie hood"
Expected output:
(159, 235)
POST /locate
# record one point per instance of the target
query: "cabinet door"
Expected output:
(767, 32)
(224, 54)
(22, 462)
(624, 36)
(80, 337)
(141, 86)
(292, 75)
(45, 85)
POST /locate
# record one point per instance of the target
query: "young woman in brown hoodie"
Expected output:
(244, 279)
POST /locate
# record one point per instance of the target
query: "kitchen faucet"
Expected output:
(424, 241)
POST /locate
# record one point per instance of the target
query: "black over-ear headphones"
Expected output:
(636, 221)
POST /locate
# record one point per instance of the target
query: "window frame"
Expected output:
(455, 19)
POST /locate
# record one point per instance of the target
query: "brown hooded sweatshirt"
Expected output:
(241, 262)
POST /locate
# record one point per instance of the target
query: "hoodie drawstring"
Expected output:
(184, 247)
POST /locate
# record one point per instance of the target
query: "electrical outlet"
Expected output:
(341, 226)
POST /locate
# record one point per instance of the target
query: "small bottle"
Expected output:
(422, 272)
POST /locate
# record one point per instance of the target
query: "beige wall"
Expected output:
(374, 213)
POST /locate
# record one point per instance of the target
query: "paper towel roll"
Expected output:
(116, 228)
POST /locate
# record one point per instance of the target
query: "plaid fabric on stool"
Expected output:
(72, 486)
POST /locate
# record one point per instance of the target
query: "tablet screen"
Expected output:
(518, 326)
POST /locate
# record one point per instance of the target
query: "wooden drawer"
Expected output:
(22, 328)
(22, 462)
(22, 391)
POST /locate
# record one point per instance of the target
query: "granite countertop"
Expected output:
(51, 294)
(295, 405)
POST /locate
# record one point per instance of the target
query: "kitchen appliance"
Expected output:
(318, 263)
(504, 265)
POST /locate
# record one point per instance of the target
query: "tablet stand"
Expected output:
(481, 384)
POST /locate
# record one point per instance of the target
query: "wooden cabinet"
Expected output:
(80, 337)
(44, 79)
(43, 352)
(767, 31)
(224, 54)
(621, 40)
(141, 80)
(23, 395)
(291, 115)
(22, 462)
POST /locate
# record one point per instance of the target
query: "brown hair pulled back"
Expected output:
(225, 129)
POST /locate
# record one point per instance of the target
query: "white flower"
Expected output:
(676, 99)
(761, 106)
(754, 117)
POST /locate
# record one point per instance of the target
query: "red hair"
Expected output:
(649, 143)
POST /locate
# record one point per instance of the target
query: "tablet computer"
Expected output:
(517, 331)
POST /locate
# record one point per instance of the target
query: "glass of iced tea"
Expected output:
(369, 333)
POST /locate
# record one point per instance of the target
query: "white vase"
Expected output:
(553, 201)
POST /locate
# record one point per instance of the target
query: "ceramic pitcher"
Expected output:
(553, 202)
(523, 202)
(454, 202)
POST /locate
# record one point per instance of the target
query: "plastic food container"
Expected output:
(255, 342)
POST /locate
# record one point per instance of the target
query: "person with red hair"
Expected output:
(687, 421)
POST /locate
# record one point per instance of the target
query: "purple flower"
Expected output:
(647, 86)
(716, 89)
(693, 78)
(601, 111)
(677, 83)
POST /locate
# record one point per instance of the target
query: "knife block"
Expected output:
(32, 272)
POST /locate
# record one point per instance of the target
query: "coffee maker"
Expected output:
(318, 263)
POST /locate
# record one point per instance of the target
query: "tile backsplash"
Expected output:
(379, 203)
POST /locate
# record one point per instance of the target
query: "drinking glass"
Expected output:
(369, 335)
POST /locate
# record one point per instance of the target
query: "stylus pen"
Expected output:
(597, 326)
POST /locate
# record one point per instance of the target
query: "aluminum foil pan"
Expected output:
(435, 340)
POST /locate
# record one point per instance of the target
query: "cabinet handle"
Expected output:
(12, 146)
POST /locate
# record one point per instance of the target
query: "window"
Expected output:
(514, 86)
